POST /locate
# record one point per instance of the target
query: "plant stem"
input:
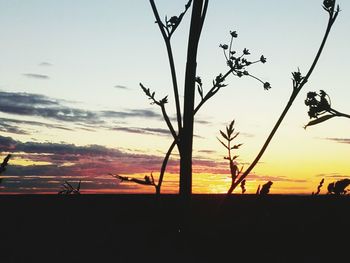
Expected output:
(171, 63)
(289, 104)
(186, 139)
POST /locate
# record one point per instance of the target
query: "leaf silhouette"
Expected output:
(224, 135)
(319, 120)
(223, 144)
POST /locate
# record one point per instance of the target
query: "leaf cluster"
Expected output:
(171, 24)
(151, 96)
(338, 187)
(239, 63)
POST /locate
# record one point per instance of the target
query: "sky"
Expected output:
(71, 107)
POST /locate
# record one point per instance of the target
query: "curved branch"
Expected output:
(289, 104)
(166, 38)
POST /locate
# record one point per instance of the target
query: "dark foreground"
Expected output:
(141, 228)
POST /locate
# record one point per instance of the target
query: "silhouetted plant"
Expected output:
(320, 108)
(298, 81)
(265, 189)
(68, 189)
(338, 187)
(229, 135)
(3, 165)
(147, 180)
(243, 187)
(238, 65)
(319, 187)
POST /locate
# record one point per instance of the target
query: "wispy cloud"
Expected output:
(120, 87)
(339, 140)
(334, 175)
(6, 127)
(12, 125)
(35, 76)
(45, 64)
(131, 113)
(152, 131)
(35, 105)
(281, 178)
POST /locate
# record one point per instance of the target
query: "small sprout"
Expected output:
(246, 51)
(265, 189)
(263, 59)
(319, 187)
(267, 86)
(234, 34)
(328, 4)
(173, 21)
(4, 163)
(199, 87)
(164, 100)
(199, 81)
(224, 47)
(243, 186)
(297, 77)
(229, 136)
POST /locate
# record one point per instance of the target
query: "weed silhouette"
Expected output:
(265, 189)
(299, 80)
(319, 187)
(320, 108)
(147, 180)
(338, 187)
(68, 189)
(3, 165)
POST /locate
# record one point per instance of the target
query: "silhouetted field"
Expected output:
(142, 228)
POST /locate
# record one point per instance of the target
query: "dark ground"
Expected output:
(141, 228)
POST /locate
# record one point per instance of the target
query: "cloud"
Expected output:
(28, 104)
(339, 140)
(120, 87)
(333, 175)
(151, 131)
(36, 76)
(11, 126)
(131, 114)
(45, 64)
(274, 178)
(207, 151)
(5, 127)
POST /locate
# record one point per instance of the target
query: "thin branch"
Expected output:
(166, 38)
(289, 104)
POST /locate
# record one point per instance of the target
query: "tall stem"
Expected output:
(186, 136)
(296, 90)
(171, 62)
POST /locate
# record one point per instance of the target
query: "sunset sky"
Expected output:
(71, 107)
